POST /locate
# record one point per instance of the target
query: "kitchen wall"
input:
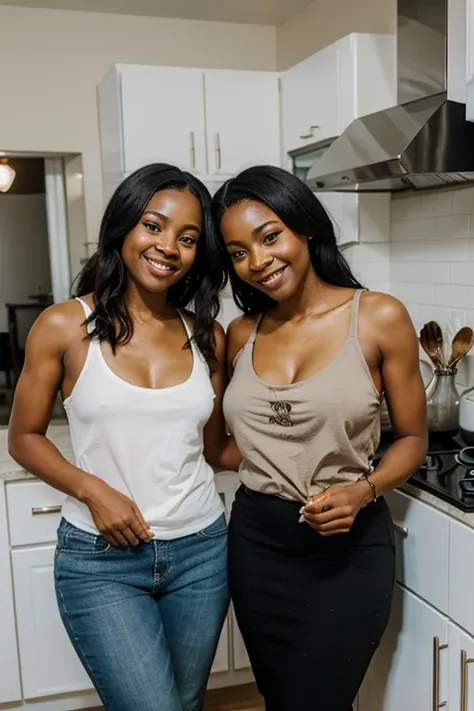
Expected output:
(323, 22)
(56, 58)
(429, 255)
(24, 253)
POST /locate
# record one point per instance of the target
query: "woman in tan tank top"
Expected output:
(311, 554)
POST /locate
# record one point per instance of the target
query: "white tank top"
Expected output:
(146, 443)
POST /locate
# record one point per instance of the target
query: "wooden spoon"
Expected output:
(462, 344)
(431, 339)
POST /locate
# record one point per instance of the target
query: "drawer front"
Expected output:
(422, 541)
(461, 575)
(34, 512)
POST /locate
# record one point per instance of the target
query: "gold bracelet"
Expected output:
(372, 486)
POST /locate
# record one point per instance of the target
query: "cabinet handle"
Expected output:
(465, 661)
(46, 510)
(437, 647)
(218, 151)
(400, 529)
(310, 133)
(192, 149)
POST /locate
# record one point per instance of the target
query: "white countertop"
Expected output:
(10, 470)
(59, 435)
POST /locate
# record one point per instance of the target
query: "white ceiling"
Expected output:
(260, 12)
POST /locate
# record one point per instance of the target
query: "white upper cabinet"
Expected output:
(242, 117)
(152, 114)
(309, 99)
(321, 95)
(470, 39)
(470, 60)
(211, 123)
(163, 117)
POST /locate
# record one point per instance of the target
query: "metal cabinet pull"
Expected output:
(46, 510)
(400, 529)
(192, 149)
(437, 647)
(310, 133)
(465, 661)
(217, 139)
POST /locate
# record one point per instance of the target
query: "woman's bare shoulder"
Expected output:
(238, 333)
(59, 323)
(383, 309)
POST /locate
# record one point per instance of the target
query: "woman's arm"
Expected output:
(405, 393)
(115, 515)
(220, 449)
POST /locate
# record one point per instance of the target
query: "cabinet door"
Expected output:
(110, 125)
(242, 118)
(461, 575)
(461, 669)
(163, 117)
(309, 98)
(407, 670)
(343, 209)
(470, 60)
(367, 76)
(10, 689)
(420, 531)
(48, 662)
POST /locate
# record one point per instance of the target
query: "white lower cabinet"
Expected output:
(412, 660)
(461, 669)
(48, 662)
(425, 662)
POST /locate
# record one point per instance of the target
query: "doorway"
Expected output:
(36, 215)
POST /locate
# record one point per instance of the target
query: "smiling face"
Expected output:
(161, 248)
(265, 253)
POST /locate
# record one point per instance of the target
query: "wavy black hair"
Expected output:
(299, 208)
(105, 275)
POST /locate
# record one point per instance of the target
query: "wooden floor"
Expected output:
(233, 698)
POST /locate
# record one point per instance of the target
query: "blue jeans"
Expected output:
(145, 621)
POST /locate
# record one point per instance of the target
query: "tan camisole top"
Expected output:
(297, 439)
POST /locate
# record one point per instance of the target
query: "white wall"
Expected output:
(56, 59)
(323, 22)
(24, 255)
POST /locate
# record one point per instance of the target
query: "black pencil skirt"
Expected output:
(311, 609)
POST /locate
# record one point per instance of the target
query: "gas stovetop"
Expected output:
(448, 471)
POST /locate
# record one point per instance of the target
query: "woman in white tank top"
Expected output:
(140, 566)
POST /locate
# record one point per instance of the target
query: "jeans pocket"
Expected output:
(74, 540)
(215, 529)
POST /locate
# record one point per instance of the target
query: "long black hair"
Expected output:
(104, 274)
(294, 203)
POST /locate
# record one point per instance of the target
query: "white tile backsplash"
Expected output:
(430, 261)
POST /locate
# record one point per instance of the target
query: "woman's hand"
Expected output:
(333, 511)
(116, 516)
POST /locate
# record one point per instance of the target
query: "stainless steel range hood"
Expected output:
(424, 141)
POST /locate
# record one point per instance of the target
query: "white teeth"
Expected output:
(157, 265)
(273, 276)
